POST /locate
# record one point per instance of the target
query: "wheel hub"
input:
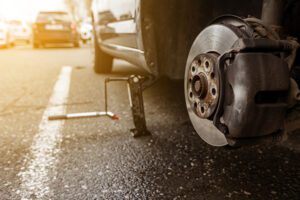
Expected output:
(199, 86)
(203, 85)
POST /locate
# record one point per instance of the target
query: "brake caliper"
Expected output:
(255, 89)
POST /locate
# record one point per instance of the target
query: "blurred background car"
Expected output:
(86, 30)
(21, 31)
(6, 38)
(54, 27)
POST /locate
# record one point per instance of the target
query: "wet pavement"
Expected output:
(99, 159)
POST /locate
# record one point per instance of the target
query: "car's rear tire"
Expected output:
(76, 44)
(36, 45)
(12, 44)
(103, 62)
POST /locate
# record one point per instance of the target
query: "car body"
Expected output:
(6, 38)
(54, 27)
(86, 32)
(170, 25)
(20, 30)
(162, 37)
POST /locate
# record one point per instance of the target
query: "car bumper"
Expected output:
(56, 37)
(22, 37)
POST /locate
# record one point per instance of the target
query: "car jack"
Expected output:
(135, 93)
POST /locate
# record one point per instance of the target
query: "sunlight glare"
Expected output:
(27, 9)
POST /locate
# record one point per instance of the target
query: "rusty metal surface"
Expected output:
(204, 85)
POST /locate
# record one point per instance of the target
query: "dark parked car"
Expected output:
(54, 27)
(238, 59)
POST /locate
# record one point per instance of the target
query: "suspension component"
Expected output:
(245, 92)
(256, 89)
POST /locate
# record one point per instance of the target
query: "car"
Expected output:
(20, 30)
(54, 27)
(86, 30)
(6, 38)
(238, 59)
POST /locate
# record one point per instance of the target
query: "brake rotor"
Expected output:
(201, 85)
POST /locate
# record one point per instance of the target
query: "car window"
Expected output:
(120, 9)
(47, 17)
(106, 17)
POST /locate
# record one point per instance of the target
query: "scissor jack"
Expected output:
(135, 93)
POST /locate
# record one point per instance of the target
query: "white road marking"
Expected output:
(43, 158)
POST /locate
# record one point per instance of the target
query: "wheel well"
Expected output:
(169, 28)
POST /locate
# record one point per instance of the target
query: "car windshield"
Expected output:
(48, 17)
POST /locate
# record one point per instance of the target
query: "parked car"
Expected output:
(54, 27)
(86, 30)
(6, 38)
(238, 59)
(21, 31)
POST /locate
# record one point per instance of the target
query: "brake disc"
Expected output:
(201, 84)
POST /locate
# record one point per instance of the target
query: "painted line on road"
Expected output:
(45, 147)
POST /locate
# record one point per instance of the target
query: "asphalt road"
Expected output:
(98, 159)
